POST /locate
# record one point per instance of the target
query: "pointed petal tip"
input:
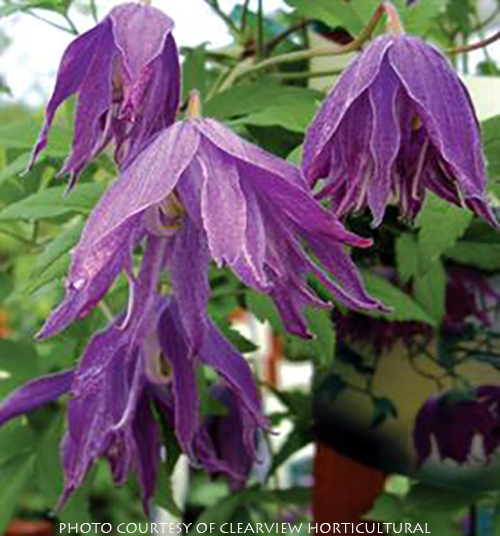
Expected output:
(481, 208)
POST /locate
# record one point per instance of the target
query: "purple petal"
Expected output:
(385, 139)
(93, 271)
(291, 298)
(230, 143)
(157, 97)
(232, 366)
(34, 394)
(148, 441)
(295, 203)
(190, 285)
(145, 183)
(222, 203)
(354, 81)
(176, 351)
(350, 286)
(140, 33)
(446, 110)
(250, 265)
(72, 70)
(95, 98)
(224, 449)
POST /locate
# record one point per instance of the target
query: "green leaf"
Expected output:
(16, 439)
(291, 108)
(194, 71)
(242, 344)
(491, 146)
(403, 305)
(59, 6)
(53, 202)
(48, 466)
(77, 509)
(333, 14)
(441, 224)
(264, 309)
(430, 291)
(424, 498)
(224, 510)
(8, 9)
(461, 13)
(295, 157)
(323, 344)
(485, 256)
(383, 409)
(287, 113)
(479, 247)
(18, 363)
(23, 135)
(19, 165)
(14, 475)
(55, 258)
(418, 18)
(56, 272)
(386, 509)
(406, 257)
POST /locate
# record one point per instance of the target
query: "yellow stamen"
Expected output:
(194, 105)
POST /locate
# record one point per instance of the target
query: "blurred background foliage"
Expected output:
(40, 224)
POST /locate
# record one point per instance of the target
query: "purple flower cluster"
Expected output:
(191, 192)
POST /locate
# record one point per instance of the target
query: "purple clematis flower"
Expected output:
(227, 434)
(122, 375)
(199, 192)
(399, 122)
(453, 422)
(126, 73)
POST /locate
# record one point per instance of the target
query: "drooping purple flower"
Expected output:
(126, 74)
(203, 193)
(227, 435)
(122, 375)
(452, 422)
(399, 122)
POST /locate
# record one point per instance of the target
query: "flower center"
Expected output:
(166, 218)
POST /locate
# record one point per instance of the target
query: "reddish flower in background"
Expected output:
(126, 74)
(399, 122)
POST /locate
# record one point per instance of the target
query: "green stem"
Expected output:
(289, 31)
(71, 24)
(93, 11)
(18, 237)
(214, 4)
(475, 46)
(298, 75)
(330, 50)
(106, 311)
(50, 23)
(215, 87)
(260, 30)
(244, 16)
